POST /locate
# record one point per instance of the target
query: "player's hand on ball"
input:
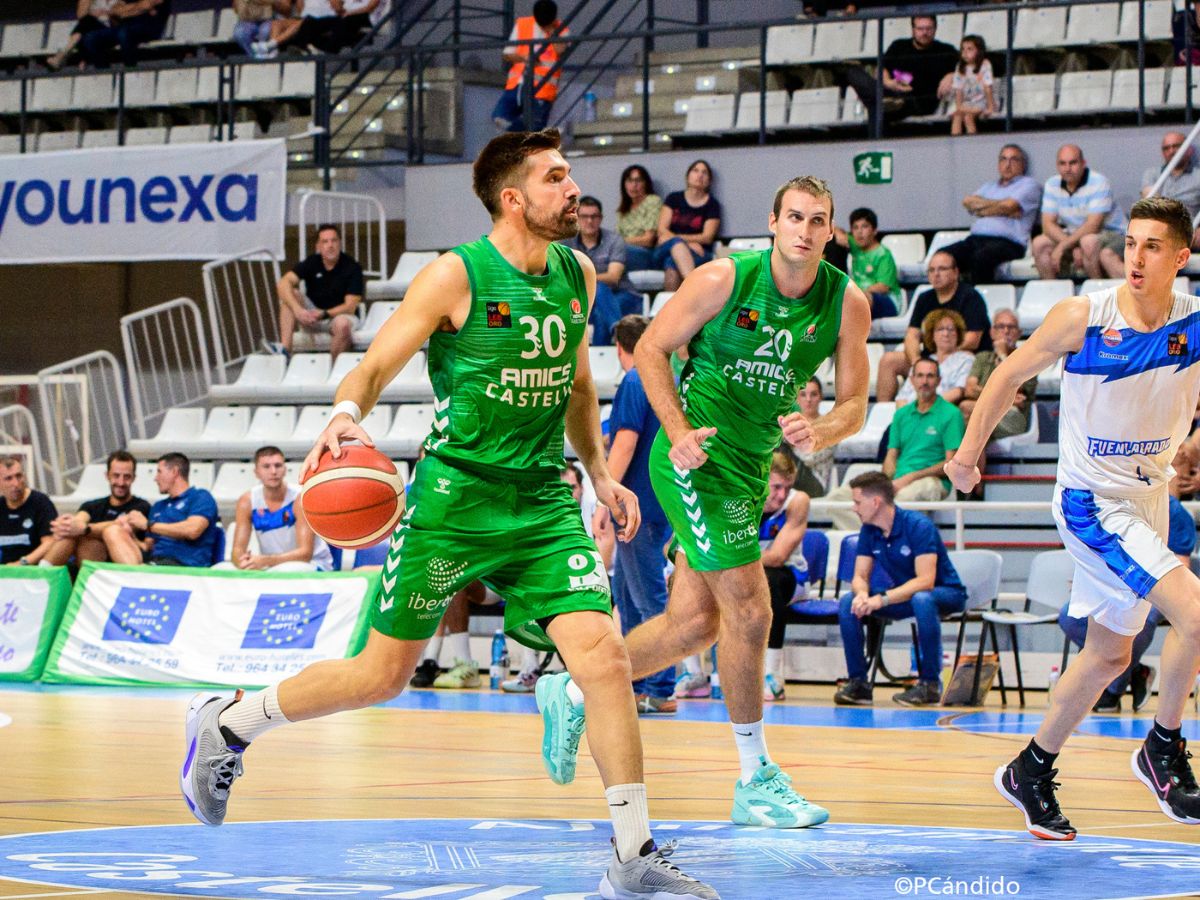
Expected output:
(623, 504)
(798, 432)
(688, 451)
(341, 428)
(963, 476)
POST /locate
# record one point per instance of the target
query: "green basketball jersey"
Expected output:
(502, 381)
(746, 365)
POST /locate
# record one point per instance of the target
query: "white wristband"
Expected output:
(350, 408)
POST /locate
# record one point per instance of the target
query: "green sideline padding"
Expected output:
(32, 600)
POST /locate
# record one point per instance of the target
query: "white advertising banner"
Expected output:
(159, 625)
(124, 204)
(31, 603)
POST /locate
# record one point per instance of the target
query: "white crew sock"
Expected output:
(434, 648)
(692, 664)
(458, 646)
(751, 748)
(630, 818)
(574, 694)
(254, 714)
(774, 664)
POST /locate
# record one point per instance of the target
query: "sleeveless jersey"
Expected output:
(502, 381)
(1127, 399)
(747, 364)
(769, 528)
(277, 528)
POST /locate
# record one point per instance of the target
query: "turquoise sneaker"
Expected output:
(768, 800)
(563, 723)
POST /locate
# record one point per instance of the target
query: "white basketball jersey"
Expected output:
(1127, 399)
(277, 528)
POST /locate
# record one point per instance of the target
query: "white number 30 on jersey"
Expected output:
(553, 335)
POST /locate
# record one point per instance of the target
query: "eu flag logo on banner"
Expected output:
(145, 615)
(289, 621)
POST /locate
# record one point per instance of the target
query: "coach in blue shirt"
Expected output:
(908, 547)
(639, 586)
(182, 530)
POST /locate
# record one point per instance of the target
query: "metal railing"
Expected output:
(19, 437)
(243, 309)
(166, 353)
(361, 219)
(83, 406)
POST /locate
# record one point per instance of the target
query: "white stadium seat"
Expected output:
(866, 442)
(1177, 87)
(225, 24)
(1125, 87)
(194, 27)
(94, 92)
(710, 112)
(307, 369)
(1092, 23)
(991, 25)
(836, 41)
(748, 113)
(175, 87)
(50, 94)
(1044, 26)
(1033, 95)
(1158, 20)
(647, 280)
(1038, 297)
(100, 137)
(258, 82)
(377, 313)
(140, 88)
(660, 300)
(410, 426)
(998, 297)
(139, 137)
(190, 134)
(49, 141)
(260, 373)
(1084, 91)
(270, 423)
(93, 483)
(789, 44)
(233, 479)
(908, 250)
(606, 370)
(411, 262)
(299, 79)
(23, 39)
(59, 32)
(815, 107)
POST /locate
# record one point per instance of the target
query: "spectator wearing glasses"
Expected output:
(941, 335)
(946, 292)
(917, 73)
(637, 217)
(615, 296)
(1004, 211)
(1182, 182)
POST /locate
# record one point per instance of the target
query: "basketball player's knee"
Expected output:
(605, 661)
(699, 626)
(753, 621)
(379, 681)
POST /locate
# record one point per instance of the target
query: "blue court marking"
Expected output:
(544, 859)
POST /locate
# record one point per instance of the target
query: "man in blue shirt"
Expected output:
(615, 295)
(182, 530)
(908, 547)
(639, 586)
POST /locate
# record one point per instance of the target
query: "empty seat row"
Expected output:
(1095, 91)
(805, 108)
(169, 87)
(48, 141)
(22, 39)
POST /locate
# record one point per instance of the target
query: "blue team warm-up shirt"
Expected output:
(172, 510)
(913, 534)
(632, 411)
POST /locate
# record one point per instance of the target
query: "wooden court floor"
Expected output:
(92, 757)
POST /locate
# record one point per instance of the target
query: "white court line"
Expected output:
(56, 894)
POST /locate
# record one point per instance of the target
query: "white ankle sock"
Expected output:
(434, 648)
(458, 646)
(254, 714)
(692, 664)
(774, 662)
(575, 694)
(630, 818)
(751, 748)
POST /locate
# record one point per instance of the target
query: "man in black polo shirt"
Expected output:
(333, 288)
(914, 73)
(82, 535)
(25, 517)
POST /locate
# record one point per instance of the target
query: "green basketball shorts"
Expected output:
(715, 517)
(524, 541)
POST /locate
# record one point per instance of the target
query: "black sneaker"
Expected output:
(855, 692)
(1034, 797)
(1139, 683)
(923, 693)
(1108, 703)
(426, 672)
(1169, 777)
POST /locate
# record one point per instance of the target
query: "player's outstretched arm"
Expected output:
(439, 296)
(697, 302)
(1061, 332)
(583, 429)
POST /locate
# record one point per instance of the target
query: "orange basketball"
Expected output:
(354, 500)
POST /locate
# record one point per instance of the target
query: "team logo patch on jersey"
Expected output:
(809, 336)
(1177, 344)
(1111, 337)
(747, 318)
(576, 310)
(499, 315)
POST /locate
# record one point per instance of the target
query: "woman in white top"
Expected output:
(942, 333)
(92, 15)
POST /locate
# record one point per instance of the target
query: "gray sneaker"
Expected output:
(211, 764)
(650, 875)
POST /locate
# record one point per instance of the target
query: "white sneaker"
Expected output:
(650, 875)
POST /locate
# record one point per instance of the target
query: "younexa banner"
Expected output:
(123, 204)
(162, 625)
(31, 605)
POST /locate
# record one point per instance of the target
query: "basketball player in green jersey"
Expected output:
(505, 317)
(756, 326)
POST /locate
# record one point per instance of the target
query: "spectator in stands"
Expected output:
(906, 544)
(131, 24)
(544, 24)
(333, 288)
(942, 334)
(637, 217)
(252, 32)
(358, 17)
(182, 530)
(1080, 219)
(946, 292)
(917, 74)
(1182, 182)
(1138, 677)
(639, 587)
(781, 536)
(813, 468)
(615, 296)
(82, 535)
(872, 266)
(688, 226)
(1004, 211)
(972, 86)
(320, 25)
(283, 29)
(25, 519)
(92, 15)
(269, 509)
